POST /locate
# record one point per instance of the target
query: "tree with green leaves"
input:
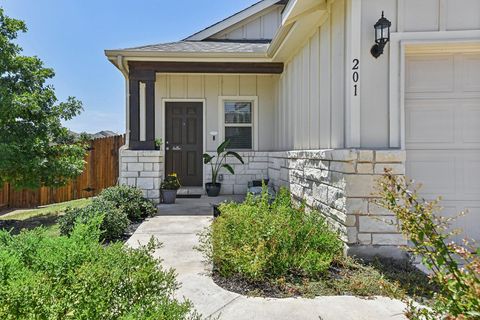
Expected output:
(34, 148)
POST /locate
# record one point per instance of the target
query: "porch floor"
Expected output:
(195, 207)
(191, 190)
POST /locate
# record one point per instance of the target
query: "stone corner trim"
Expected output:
(144, 170)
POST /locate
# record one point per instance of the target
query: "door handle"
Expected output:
(176, 148)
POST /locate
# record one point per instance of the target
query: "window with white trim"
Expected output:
(238, 123)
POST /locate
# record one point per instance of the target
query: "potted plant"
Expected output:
(158, 144)
(169, 188)
(218, 162)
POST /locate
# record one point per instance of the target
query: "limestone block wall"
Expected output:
(255, 167)
(341, 185)
(144, 170)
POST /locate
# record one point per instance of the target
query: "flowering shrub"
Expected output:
(259, 241)
(455, 267)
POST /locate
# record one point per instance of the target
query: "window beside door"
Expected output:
(238, 121)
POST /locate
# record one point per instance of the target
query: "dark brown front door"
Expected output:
(184, 141)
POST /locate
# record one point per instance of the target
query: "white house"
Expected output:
(295, 87)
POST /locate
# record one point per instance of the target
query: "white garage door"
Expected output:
(442, 134)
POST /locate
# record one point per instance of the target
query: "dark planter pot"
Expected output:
(169, 196)
(216, 211)
(213, 189)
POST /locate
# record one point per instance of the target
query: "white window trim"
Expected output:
(254, 125)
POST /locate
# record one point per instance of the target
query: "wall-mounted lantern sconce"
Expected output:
(382, 36)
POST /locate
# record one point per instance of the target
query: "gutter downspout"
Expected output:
(124, 70)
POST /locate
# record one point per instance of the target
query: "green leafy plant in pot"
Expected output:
(169, 188)
(218, 162)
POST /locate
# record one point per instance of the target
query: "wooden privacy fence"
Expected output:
(101, 171)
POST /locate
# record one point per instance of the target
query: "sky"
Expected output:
(70, 36)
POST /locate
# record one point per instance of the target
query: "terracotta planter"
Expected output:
(213, 189)
(169, 196)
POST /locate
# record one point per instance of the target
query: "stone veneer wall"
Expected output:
(144, 170)
(340, 184)
(255, 167)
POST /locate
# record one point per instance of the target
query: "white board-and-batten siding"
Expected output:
(208, 88)
(311, 91)
(263, 25)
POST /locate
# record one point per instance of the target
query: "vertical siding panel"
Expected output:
(230, 84)
(194, 86)
(178, 88)
(290, 106)
(212, 91)
(161, 92)
(248, 85)
(325, 82)
(265, 112)
(314, 89)
(305, 124)
(374, 76)
(285, 102)
(337, 73)
(297, 102)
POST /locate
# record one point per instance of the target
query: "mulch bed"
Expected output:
(403, 273)
(17, 225)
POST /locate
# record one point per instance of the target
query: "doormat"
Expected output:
(189, 196)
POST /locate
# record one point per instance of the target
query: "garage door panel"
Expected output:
(451, 174)
(430, 74)
(470, 188)
(470, 123)
(467, 222)
(424, 168)
(442, 124)
(471, 71)
(442, 134)
(429, 122)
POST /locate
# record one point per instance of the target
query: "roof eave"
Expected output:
(129, 55)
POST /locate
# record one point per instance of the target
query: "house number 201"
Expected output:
(355, 76)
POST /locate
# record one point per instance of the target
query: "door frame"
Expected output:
(399, 43)
(204, 123)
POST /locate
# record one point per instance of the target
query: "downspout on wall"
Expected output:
(123, 67)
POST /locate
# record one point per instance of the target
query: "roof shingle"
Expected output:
(204, 47)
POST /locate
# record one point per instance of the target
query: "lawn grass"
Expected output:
(44, 216)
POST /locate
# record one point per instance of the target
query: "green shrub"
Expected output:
(114, 221)
(76, 277)
(259, 241)
(130, 200)
(455, 268)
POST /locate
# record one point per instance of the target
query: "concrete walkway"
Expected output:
(178, 232)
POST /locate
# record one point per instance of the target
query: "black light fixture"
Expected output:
(382, 36)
